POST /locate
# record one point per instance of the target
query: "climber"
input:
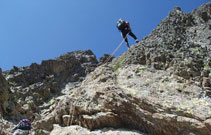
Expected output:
(24, 124)
(124, 27)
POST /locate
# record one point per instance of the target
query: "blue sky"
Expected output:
(36, 30)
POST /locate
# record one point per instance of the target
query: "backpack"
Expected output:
(24, 124)
(121, 24)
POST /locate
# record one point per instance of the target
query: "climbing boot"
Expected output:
(128, 47)
(137, 41)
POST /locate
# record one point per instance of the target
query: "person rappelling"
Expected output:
(124, 27)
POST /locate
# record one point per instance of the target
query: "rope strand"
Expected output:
(74, 105)
(108, 59)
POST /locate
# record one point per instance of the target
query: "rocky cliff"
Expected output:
(4, 94)
(161, 86)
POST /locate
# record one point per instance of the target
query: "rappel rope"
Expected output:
(107, 60)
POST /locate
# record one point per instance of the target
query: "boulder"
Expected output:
(21, 132)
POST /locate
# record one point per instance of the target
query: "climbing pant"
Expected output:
(124, 34)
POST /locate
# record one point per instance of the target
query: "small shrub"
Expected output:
(50, 102)
(196, 50)
(119, 63)
(207, 67)
(142, 68)
(38, 132)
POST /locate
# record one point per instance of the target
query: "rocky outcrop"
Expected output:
(4, 94)
(74, 64)
(76, 130)
(35, 87)
(5, 127)
(181, 41)
(127, 99)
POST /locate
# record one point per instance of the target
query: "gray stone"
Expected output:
(105, 58)
(21, 132)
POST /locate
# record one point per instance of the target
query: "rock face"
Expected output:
(5, 127)
(4, 94)
(161, 86)
(182, 41)
(127, 99)
(34, 88)
(77, 130)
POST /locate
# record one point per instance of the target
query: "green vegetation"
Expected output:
(196, 50)
(12, 83)
(22, 113)
(38, 132)
(207, 67)
(119, 63)
(142, 68)
(51, 101)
